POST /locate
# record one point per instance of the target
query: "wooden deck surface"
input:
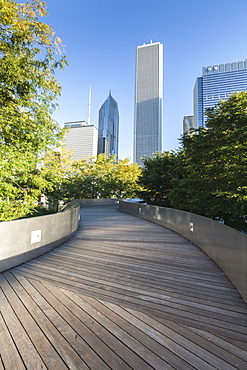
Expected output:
(123, 293)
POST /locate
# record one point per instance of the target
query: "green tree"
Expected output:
(91, 177)
(103, 177)
(28, 89)
(160, 174)
(55, 169)
(125, 179)
(216, 160)
(208, 175)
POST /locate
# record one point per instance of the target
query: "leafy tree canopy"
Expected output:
(208, 175)
(217, 162)
(158, 176)
(103, 177)
(28, 89)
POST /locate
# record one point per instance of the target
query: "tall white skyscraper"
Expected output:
(148, 101)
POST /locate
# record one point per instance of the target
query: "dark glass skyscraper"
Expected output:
(148, 101)
(108, 129)
(217, 83)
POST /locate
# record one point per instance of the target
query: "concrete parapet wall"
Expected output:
(224, 245)
(97, 202)
(22, 240)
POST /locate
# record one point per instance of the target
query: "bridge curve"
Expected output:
(123, 293)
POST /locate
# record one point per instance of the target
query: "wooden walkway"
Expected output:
(123, 293)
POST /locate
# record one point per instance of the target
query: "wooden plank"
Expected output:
(142, 267)
(134, 284)
(196, 311)
(56, 270)
(206, 350)
(159, 331)
(188, 255)
(209, 311)
(104, 333)
(180, 345)
(1, 363)
(180, 271)
(23, 343)
(177, 348)
(141, 357)
(228, 348)
(123, 298)
(129, 276)
(93, 351)
(9, 356)
(153, 283)
(161, 257)
(142, 278)
(170, 359)
(40, 331)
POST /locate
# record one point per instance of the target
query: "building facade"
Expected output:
(108, 128)
(217, 83)
(148, 119)
(82, 138)
(188, 124)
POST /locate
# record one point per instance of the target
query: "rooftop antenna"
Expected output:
(89, 105)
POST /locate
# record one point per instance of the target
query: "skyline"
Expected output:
(101, 39)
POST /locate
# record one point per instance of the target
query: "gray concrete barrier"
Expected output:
(22, 240)
(97, 202)
(224, 245)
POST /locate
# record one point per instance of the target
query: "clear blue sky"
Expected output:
(101, 36)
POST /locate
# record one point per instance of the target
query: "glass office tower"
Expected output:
(217, 83)
(108, 129)
(148, 101)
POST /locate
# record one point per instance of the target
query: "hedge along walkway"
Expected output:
(123, 293)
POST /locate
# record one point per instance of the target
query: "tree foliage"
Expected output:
(217, 163)
(158, 177)
(55, 169)
(103, 177)
(208, 176)
(28, 89)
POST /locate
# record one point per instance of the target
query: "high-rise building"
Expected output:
(188, 124)
(108, 128)
(217, 83)
(148, 101)
(82, 138)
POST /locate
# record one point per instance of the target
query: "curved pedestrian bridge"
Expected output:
(123, 293)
